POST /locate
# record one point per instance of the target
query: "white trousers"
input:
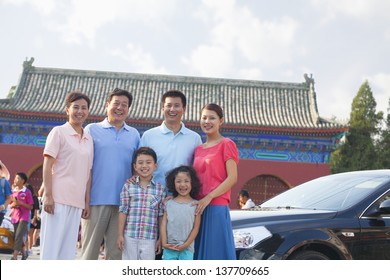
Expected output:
(59, 232)
(138, 249)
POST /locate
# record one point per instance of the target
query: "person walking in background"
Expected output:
(216, 165)
(141, 210)
(114, 145)
(67, 164)
(180, 225)
(21, 205)
(244, 200)
(5, 196)
(35, 222)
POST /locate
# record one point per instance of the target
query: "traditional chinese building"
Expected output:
(282, 140)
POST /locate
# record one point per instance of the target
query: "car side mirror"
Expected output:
(384, 207)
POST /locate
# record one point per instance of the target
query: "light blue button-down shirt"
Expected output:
(172, 150)
(113, 155)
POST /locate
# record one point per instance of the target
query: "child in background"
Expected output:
(180, 225)
(21, 205)
(141, 210)
(245, 201)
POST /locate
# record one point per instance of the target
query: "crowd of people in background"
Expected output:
(164, 195)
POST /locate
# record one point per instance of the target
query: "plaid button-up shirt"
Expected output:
(142, 207)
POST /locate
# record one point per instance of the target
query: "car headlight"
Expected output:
(246, 238)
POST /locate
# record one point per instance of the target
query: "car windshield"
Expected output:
(335, 192)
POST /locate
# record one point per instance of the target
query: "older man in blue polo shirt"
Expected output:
(114, 146)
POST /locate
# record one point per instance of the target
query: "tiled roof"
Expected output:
(247, 103)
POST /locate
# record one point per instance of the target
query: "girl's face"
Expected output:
(78, 111)
(210, 121)
(183, 184)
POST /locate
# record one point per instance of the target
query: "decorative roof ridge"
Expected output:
(250, 104)
(333, 128)
(165, 77)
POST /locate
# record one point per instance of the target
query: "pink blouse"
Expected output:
(210, 166)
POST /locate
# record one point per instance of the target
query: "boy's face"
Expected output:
(145, 166)
(18, 181)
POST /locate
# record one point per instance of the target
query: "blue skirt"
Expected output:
(215, 238)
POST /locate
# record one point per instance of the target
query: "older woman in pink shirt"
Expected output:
(68, 157)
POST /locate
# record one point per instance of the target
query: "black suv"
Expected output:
(337, 217)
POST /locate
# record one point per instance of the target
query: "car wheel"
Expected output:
(309, 255)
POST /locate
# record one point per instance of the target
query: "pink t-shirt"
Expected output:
(73, 162)
(20, 213)
(210, 166)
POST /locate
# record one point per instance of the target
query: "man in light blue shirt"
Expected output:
(114, 145)
(173, 143)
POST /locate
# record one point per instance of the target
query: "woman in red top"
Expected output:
(215, 162)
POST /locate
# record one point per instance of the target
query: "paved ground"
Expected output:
(33, 256)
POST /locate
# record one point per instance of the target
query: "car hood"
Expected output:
(246, 217)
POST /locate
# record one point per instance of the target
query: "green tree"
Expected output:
(384, 143)
(358, 152)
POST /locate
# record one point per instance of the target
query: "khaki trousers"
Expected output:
(102, 224)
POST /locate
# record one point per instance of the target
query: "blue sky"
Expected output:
(341, 42)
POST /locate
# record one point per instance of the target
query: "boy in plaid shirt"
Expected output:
(141, 210)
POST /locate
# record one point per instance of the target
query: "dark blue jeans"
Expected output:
(1, 217)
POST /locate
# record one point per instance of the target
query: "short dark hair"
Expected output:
(23, 176)
(195, 182)
(145, 151)
(120, 92)
(72, 96)
(174, 93)
(214, 107)
(244, 193)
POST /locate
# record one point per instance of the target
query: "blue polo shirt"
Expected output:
(172, 150)
(113, 155)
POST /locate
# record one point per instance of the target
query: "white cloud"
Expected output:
(79, 21)
(235, 31)
(380, 85)
(268, 42)
(250, 73)
(361, 9)
(334, 100)
(44, 7)
(140, 60)
(336, 92)
(210, 61)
